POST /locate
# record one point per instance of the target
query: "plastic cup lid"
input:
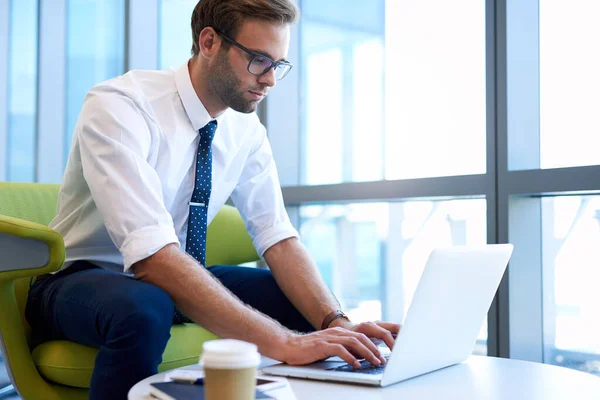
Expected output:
(229, 354)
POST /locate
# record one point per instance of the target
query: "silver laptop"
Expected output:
(441, 326)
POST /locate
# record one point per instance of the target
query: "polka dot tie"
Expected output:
(195, 243)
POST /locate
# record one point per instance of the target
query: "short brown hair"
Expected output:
(228, 15)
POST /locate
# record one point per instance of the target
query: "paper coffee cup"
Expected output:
(229, 369)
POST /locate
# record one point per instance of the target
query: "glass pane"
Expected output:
(571, 233)
(22, 90)
(569, 83)
(372, 255)
(392, 90)
(175, 35)
(95, 50)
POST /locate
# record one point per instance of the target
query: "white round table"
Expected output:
(477, 378)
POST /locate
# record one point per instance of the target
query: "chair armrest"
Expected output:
(28, 249)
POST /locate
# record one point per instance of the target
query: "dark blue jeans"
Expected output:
(129, 320)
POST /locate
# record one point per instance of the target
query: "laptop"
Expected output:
(441, 326)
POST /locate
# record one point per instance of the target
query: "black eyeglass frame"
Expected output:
(254, 55)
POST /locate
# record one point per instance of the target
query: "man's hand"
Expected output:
(350, 343)
(344, 343)
(377, 331)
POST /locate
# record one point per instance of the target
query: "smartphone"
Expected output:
(264, 385)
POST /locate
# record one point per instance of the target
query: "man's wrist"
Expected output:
(334, 318)
(342, 323)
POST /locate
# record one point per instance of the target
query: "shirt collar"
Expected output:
(194, 108)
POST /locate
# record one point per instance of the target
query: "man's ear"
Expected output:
(209, 42)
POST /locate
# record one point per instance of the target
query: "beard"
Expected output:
(224, 82)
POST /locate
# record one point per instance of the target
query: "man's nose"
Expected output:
(268, 78)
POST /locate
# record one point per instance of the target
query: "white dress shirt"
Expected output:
(130, 175)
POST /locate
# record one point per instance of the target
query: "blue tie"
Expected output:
(195, 243)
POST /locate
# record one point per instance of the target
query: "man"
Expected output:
(155, 155)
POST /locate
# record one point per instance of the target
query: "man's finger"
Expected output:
(361, 349)
(375, 331)
(336, 349)
(390, 326)
(365, 334)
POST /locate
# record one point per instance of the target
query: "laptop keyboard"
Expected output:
(365, 367)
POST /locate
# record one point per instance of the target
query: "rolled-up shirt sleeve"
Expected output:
(114, 140)
(258, 198)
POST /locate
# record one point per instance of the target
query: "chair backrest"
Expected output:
(35, 202)
(227, 240)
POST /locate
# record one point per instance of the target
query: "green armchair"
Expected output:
(60, 370)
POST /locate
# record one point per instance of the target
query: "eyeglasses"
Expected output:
(259, 63)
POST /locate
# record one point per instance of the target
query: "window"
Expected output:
(392, 90)
(22, 90)
(175, 35)
(569, 83)
(571, 260)
(372, 255)
(397, 97)
(95, 50)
